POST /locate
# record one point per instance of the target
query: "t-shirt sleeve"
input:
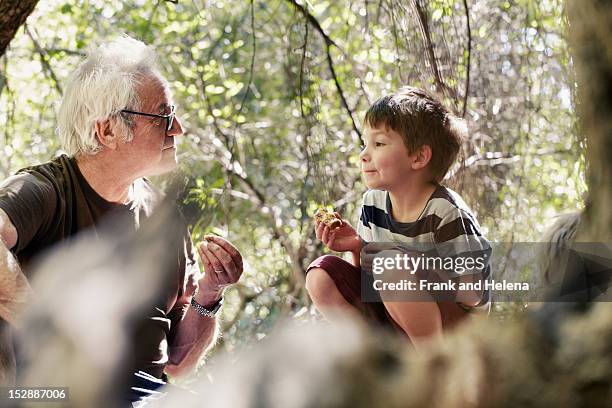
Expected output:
(363, 225)
(458, 236)
(30, 201)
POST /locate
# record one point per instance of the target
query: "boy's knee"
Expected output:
(319, 283)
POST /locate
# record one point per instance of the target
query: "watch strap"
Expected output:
(203, 311)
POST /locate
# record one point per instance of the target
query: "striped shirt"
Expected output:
(446, 222)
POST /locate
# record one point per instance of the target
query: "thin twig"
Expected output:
(469, 54)
(330, 61)
(429, 47)
(43, 60)
(152, 19)
(314, 22)
(254, 42)
(50, 51)
(302, 61)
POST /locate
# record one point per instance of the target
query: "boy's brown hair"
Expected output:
(421, 119)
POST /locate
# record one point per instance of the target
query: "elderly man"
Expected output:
(117, 122)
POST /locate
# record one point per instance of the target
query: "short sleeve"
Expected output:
(457, 236)
(30, 201)
(363, 225)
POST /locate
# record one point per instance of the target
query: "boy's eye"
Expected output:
(378, 144)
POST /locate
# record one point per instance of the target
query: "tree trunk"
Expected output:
(591, 39)
(13, 14)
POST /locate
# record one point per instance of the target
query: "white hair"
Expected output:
(98, 89)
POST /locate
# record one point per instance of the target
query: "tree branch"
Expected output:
(429, 48)
(250, 81)
(264, 209)
(469, 54)
(13, 13)
(330, 61)
(314, 22)
(302, 61)
(43, 61)
(51, 51)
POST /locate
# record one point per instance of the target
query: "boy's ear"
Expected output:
(422, 157)
(105, 134)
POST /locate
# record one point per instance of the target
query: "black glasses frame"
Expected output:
(169, 118)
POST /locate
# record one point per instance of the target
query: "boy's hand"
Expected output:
(341, 239)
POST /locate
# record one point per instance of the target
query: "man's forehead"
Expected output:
(155, 94)
(157, 101)
(164, 107)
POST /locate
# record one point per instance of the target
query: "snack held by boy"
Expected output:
(411, 141)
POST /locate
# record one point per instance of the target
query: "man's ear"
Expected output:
(422, 157)
(105, 134)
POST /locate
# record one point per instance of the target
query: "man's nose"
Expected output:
(176, 129)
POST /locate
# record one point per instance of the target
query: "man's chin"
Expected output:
(166, 165)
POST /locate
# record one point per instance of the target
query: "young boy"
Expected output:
(411, 141)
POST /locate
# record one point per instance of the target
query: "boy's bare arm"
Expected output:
(14, 287)
(357, 254)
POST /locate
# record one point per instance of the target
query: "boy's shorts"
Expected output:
(347, 278)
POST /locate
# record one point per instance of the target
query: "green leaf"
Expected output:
(66, 9)
(437, 14)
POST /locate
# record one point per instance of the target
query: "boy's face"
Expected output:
(385, 162)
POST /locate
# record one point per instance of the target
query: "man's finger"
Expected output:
(224, 270)
(234, 275)
(228, 247)
(221, 254)
(225, 244)
(210, 266)
(217, 266)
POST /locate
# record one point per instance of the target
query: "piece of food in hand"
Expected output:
(328, 218)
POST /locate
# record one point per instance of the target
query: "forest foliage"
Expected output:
(272, 95)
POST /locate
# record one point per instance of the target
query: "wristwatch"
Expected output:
(212, 313)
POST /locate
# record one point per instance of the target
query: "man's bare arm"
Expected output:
(8, 232)
(14, 287)
(195, 334)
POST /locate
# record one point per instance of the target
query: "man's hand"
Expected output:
(222, 268)
(341, 239)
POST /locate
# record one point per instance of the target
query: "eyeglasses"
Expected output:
(169, 118)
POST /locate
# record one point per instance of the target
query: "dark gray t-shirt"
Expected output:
(51, 202)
